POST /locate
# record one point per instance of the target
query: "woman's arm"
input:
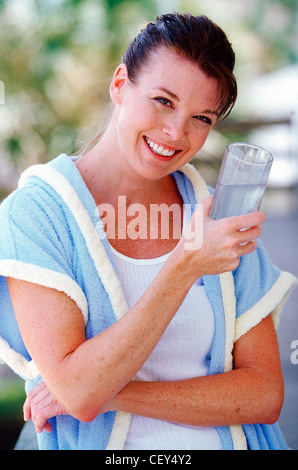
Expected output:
(251, 393)
(84, 375)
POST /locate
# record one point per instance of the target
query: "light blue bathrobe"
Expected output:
(50, 234)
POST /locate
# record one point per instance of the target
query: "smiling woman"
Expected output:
(176, 112)
(127, 340)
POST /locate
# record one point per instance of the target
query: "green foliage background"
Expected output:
(57, 58)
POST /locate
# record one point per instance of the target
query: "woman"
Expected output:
(175, 350)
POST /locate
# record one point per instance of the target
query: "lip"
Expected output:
(166, 147)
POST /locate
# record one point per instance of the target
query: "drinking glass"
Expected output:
(242, 180)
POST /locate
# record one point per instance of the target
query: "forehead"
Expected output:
(169, 70)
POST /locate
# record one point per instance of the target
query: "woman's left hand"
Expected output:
(40, 405)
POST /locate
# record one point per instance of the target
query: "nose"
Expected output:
(175, 128)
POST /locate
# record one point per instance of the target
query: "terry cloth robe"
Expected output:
(51, 234)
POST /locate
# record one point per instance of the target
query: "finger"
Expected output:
(47, 427)
(37, 397)
(31, 399)
(241, 222)
(27, 409)
(37, 424)
(39, 420)
(247, 248)
(42, 395)
(249, 234)
(207, 201)
(40, 416)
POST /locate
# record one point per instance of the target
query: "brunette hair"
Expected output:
(196, 38)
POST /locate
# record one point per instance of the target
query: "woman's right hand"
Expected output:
(215, 246)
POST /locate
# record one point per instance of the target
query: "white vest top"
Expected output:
(181, 353)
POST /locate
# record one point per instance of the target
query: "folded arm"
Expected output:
(251, 393)
(85, 375)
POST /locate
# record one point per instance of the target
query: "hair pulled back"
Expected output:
(196, 38)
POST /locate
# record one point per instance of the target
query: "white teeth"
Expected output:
(159, 149)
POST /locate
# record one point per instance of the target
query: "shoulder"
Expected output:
(33, 204)
(38, 190)
(34, 221)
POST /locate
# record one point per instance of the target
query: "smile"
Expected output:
(159, 149)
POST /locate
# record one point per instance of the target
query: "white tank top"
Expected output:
(181, 353)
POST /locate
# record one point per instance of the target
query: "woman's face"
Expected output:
(164, 117)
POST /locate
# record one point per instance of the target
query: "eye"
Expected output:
(163, 101)
(204, 119)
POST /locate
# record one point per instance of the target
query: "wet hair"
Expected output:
(196, 38)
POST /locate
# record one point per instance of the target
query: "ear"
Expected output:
(118, 83)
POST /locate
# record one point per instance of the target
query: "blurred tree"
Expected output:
(57, 60)
(58, 57)
(276, 21)
(122, 21)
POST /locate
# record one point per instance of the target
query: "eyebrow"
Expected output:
(209, 111)
(175, 97)
(170, 93)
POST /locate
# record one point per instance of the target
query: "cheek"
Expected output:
(200, 139)
(137, 119)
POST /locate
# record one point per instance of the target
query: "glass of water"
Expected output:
(242, 180)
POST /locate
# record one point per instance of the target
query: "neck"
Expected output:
(108, 176)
